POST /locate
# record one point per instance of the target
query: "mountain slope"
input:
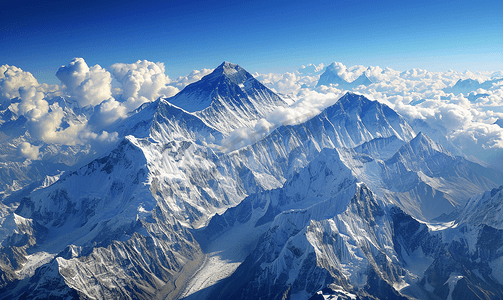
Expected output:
(343, 239)
(282, 265)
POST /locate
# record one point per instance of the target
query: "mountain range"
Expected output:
(352, 203)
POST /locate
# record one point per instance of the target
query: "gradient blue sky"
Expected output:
(261, 36)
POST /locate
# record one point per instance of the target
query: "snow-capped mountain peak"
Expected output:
(228, 98)
(233, 71)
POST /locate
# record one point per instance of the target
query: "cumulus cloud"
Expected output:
(32, 103)
(142, 81)
(50, 129)
(89, 85)
(50, 123)
(29, 151)
(241, 137)
(47, 127)
(11, 79)
(310, 104)
(106, 113)
(287, 83)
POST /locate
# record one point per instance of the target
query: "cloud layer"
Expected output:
(465, 122)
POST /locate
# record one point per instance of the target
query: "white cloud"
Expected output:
(140, 79)
(32, 103)
(106, 113)
(11, 79)
(287, 83)
(47, 128)
(45, 122)
(142, 82)
(90, 86)
(29, 151)
(310, 104)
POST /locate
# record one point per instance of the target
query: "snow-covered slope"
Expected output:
(97, 223)
(164, 122)
(287, 264)
(335, 238)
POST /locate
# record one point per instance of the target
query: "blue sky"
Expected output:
(261, 36)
